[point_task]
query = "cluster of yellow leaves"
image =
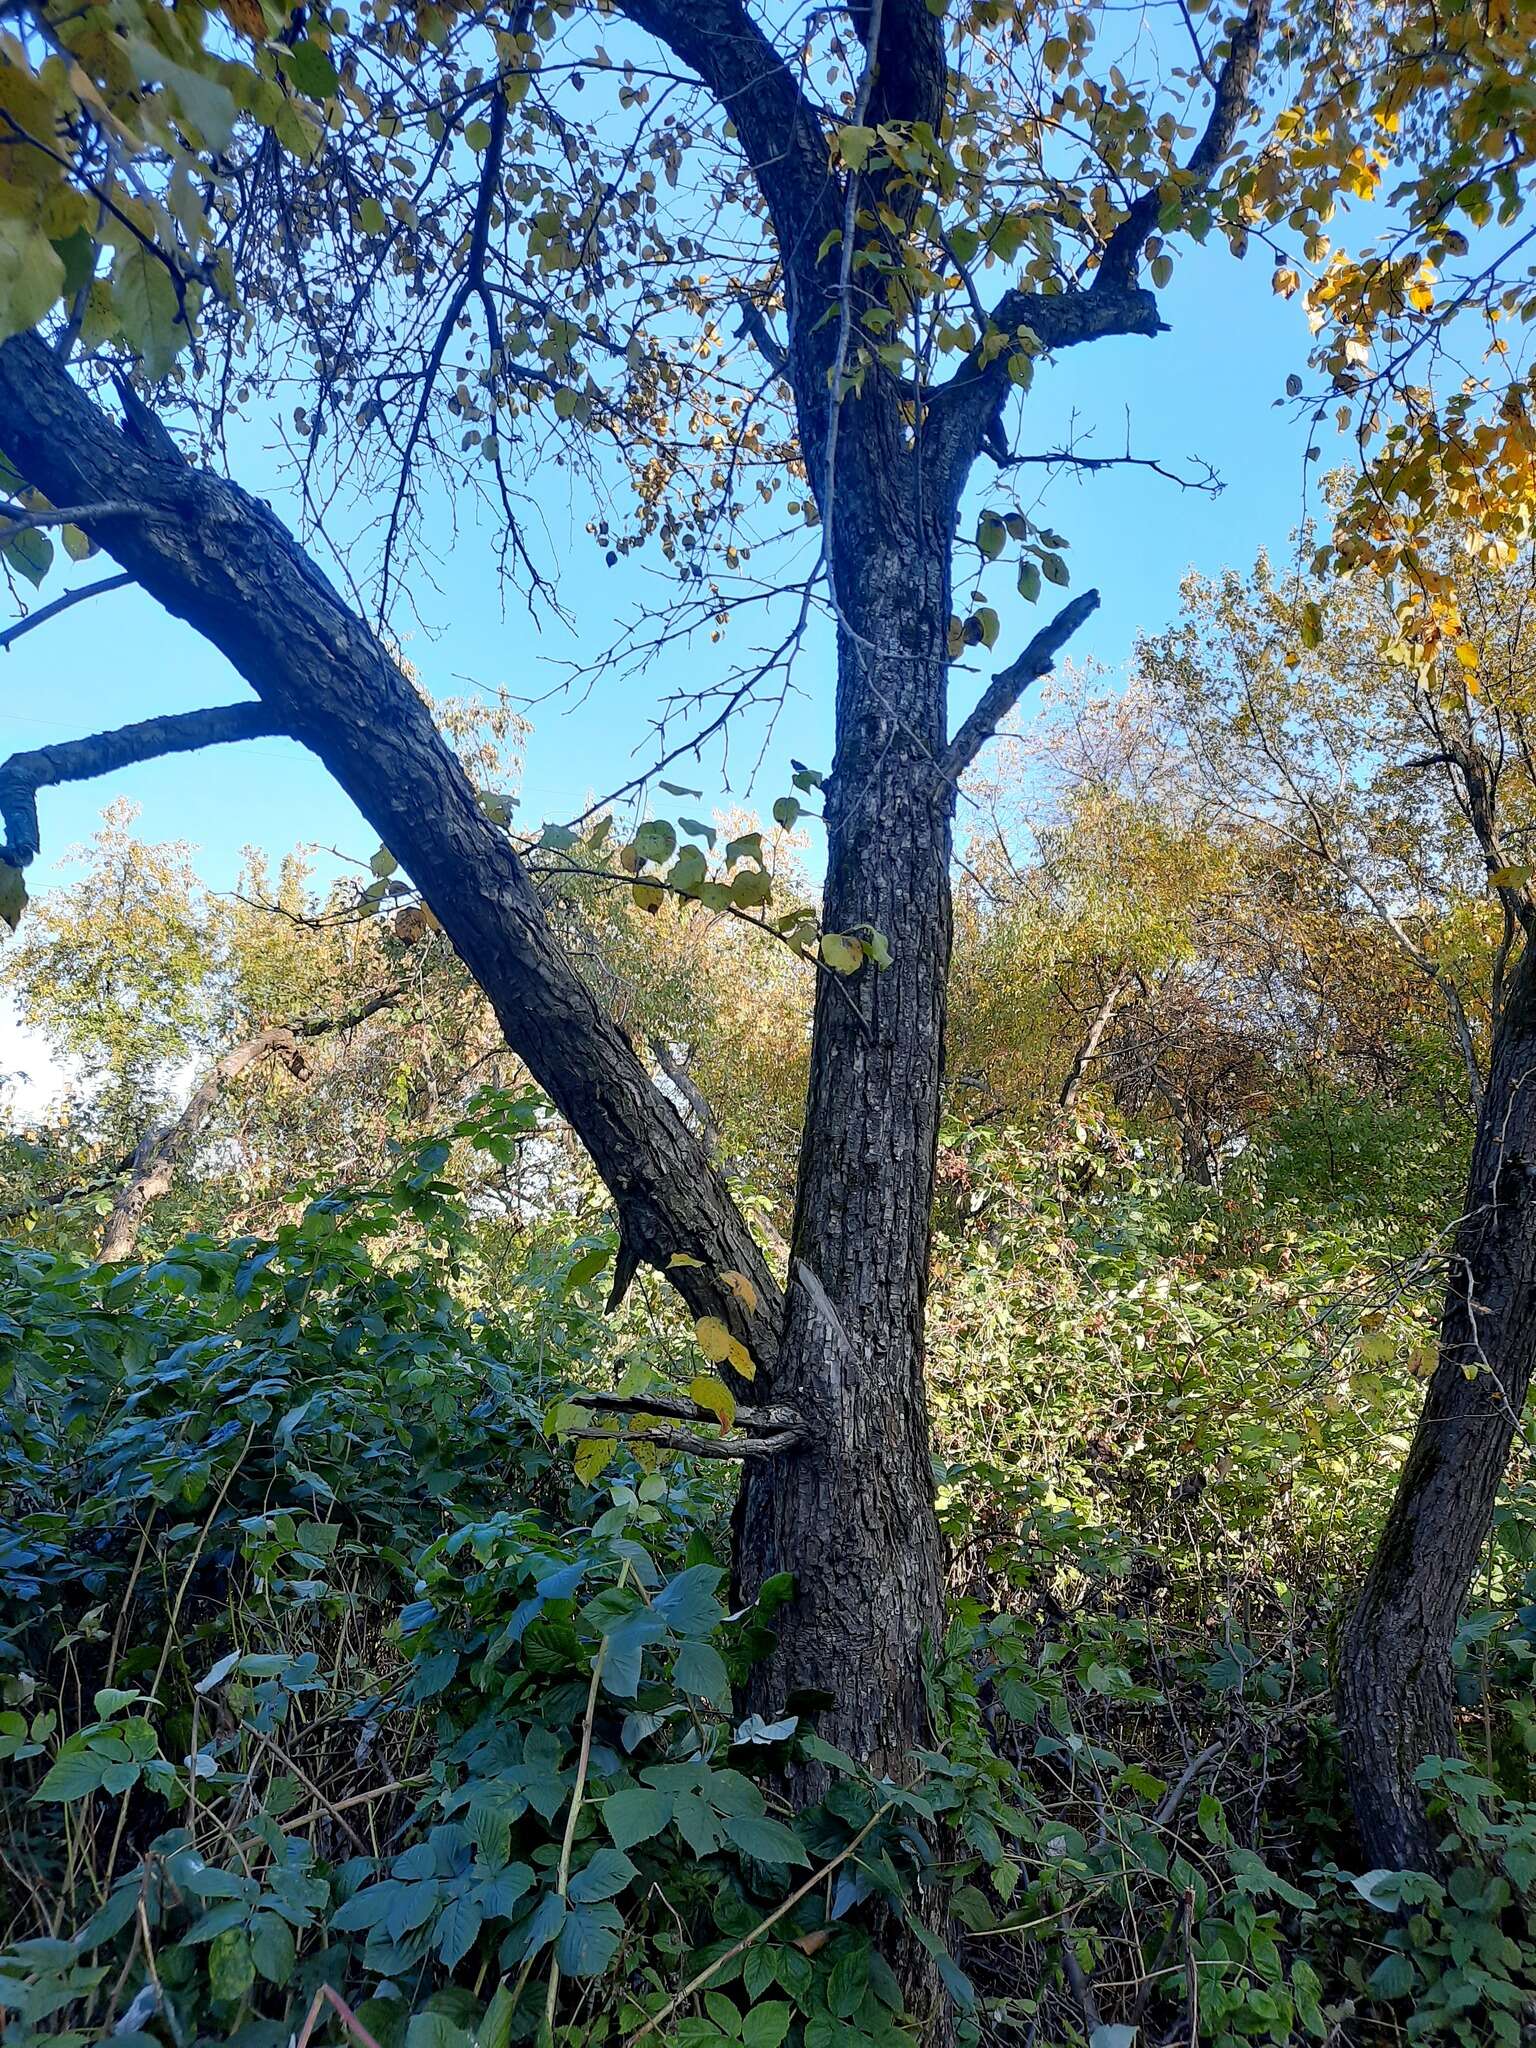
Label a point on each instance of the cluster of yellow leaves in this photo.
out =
(1431, 114)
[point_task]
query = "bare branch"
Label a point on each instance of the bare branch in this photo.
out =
(769, 1421)
(730, 1447)
(782, 139)
(1113, 303)
(1205, 477)
(1010, 683)
(1233, 89)
(15, 519)
(65, 603)
(103, 753)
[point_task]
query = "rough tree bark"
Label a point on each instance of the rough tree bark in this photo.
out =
(1395, 1691)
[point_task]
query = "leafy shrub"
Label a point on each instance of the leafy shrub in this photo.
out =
(321, 1669)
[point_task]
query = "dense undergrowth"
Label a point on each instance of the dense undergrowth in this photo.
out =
(340, 1701)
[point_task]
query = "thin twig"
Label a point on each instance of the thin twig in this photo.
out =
(60, 604)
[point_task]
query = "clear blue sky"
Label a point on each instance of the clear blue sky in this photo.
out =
(1205, 390)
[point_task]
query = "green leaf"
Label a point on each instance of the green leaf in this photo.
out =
(785, 810)
(231, 1969)
(687, 1603)
(77, 253)
(31, 276)
(30, 554)
(766, 2024)
(312, 71)
(272, 1947)
(603, 1878)
(203, 101)
(76, 1773)
(111, 1699)
(688, 870)
(636, 1815)
(457, 1927)
(435, 2030)
(700, 1670)
(1029, 581)
(1255, 1876)
(149, 309)
(655, 840)
(1393, 1977)
(547, 1921)
(495, 2029)
(751, 888)
(587, 1267)
(589, 1940)
(768, 1841)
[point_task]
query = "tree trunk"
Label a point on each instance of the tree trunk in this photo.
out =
(1395, 1696)
(851, 1514)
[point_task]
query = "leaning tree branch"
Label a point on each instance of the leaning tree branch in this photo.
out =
(786, 149)
(1086, 1053)
(1010, 683)
(220, 559)
(1230, 100)
(103, 753)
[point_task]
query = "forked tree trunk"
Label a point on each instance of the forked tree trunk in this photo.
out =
(851, 1513)
(1395, 1693)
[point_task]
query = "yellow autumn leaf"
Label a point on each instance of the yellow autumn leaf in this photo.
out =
(594, 1454)
(741, 1287)
(715, 1395)
(721, 1348)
